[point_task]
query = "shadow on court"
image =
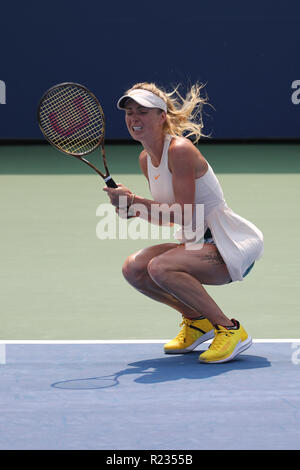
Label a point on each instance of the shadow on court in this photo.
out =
(166, 369)
(179, 367)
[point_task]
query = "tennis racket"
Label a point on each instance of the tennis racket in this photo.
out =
(72, 120)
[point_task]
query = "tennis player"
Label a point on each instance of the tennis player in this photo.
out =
(165, 124)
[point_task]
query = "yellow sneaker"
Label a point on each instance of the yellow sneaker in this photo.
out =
(192, 333)
(227, 344)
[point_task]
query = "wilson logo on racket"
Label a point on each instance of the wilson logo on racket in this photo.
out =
(73, 126)
(64, 110)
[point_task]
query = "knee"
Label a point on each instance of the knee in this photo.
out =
(133, 271)
(157, 270)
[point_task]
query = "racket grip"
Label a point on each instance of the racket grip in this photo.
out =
(110, 182)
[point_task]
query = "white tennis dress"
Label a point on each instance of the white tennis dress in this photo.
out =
(239, 242)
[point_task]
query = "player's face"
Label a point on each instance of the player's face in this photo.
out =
(143, 123)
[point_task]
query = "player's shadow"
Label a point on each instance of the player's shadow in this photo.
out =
(187, 367)
(167, 369)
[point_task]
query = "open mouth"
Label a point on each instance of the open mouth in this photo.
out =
(137, 128)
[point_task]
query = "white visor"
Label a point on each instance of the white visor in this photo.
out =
(144, 98)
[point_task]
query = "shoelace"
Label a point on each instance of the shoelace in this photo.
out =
(221, 337)
(183, 332)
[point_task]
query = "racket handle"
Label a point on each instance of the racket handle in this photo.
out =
(110, 182)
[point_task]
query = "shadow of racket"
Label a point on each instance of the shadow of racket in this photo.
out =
(90, 383)
(153, 371)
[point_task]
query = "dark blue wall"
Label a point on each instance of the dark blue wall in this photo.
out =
(246, 52)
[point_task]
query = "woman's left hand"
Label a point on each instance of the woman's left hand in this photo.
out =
(115, 193)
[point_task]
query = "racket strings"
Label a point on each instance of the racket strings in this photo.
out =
(72, 119)
(72, 129)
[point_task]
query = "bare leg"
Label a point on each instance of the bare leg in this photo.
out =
(135, 271)
(182, 272)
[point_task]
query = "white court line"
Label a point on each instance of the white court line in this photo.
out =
(3, 343)
(124, 341)
(82, 341)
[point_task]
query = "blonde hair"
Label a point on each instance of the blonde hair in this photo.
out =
(184, 116)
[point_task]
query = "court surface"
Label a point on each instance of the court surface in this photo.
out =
(132, 396)
(59, 282)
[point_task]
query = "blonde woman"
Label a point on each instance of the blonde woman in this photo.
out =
(179, 175)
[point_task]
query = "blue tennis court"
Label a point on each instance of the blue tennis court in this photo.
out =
(132, 396)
